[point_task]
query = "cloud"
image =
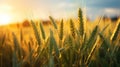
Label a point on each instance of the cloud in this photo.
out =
(111, 11)
(100, 7)
(66, 5)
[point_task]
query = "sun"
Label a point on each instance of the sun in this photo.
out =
(5, 14)
(5, 19)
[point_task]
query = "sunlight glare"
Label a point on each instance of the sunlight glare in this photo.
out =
(5, 19)
(5, 14)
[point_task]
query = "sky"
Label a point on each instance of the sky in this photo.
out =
(103, 7)
(41, 9)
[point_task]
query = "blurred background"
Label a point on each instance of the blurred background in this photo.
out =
(19, 10)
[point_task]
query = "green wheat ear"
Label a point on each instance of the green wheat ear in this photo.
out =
(81, 22)
(21, 35)
(36, 32)
(16, 45)
(53, 22)
(42, 30)
(72, 28)
(53, 43)
(17, 53)
(61, 30)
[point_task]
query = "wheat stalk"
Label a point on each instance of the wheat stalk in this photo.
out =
(51, 62)
(1, 59)
(14, 59)
(3, 40)
(30, 54)
(53, 43)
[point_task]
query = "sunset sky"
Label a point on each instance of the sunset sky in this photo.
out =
(18, 10)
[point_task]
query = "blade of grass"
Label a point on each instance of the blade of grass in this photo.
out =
(92, 38)
(116, 32)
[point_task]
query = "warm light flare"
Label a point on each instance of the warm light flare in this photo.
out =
(5, 19)
(5, 14)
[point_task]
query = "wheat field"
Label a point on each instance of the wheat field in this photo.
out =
(61, 43)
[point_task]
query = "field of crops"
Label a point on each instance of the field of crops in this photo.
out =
(65, 43)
